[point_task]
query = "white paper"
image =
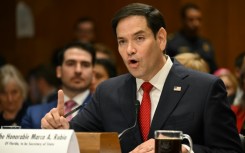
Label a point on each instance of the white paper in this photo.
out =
(38, 141)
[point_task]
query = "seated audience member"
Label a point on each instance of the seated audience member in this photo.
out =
(103, 70)
(239, 109)
(230, 82)
(13, 92)
(171, 96)
(75, 70)
(103, 52)
(84, 30)
(189, 39)
(193, 61)
(239, 62)
(42, 85)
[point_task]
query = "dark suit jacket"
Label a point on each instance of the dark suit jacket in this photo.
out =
(34, 114)
(179, 42)
(200, 109)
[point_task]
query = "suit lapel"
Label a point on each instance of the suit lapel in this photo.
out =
(86, 101)
(127, 97)
(173, 90)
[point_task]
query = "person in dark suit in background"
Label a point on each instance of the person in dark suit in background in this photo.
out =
(179, 99)
(188, 39)
(75, 70)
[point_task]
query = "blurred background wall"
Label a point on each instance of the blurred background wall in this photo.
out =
(223, 25)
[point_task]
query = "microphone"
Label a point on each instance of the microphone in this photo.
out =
(74, 110)
(137, 106)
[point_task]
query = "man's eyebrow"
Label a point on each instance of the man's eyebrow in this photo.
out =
(74, 60)
(136, 33)
(139, 32)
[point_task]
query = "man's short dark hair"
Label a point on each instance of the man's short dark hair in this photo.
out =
(153, 16)
(186, 7)
(77, 44)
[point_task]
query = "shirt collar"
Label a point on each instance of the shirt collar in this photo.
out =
(79, 99)
(159, 79)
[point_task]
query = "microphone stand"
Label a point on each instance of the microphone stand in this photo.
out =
(137, 105)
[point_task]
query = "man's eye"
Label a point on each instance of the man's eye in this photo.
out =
(69, 63)
(140, 38)
(86, 64)
(121, 42)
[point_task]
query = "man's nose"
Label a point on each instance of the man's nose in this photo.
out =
(131, 49)
(197, 22)
(78, 68)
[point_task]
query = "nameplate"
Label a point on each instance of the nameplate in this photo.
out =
(38, 141)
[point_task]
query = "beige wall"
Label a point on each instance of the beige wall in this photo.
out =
(223, 25)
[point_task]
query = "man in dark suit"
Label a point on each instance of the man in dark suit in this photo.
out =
(180, 98)
(188, 38)
(75, 70)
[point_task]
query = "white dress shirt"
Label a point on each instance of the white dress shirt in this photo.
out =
(158, 82)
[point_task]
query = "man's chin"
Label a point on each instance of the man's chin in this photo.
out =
(136, 74)
(77, 88)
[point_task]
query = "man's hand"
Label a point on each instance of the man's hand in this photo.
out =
(149, 147)
(54, 119)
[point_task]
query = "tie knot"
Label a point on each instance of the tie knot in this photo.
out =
(70, 104)
(146, 86)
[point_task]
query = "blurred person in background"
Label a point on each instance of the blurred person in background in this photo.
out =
(193, 61)
(239, 109)
(13, 92)
(239, 62)
(230, 82)
(75, 70)
(188, 38)
(103, 70)
(42, 84)
(104, 52)
(84, 30)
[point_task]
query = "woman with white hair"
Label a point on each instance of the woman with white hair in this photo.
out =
(13, 92)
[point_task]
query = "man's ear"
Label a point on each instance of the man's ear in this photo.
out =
(162, 38)
(58, 72)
